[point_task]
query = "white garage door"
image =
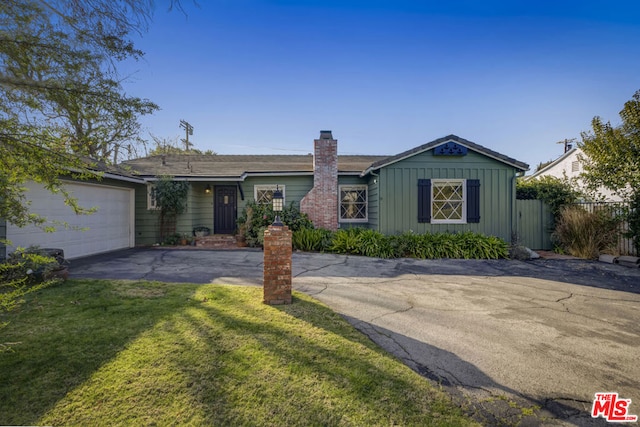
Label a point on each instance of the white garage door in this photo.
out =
(109, 228)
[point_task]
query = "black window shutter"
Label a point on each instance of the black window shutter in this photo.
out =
(473, 200)
(424, 200)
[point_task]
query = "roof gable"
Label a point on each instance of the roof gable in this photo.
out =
(556, 162)
(440, 141)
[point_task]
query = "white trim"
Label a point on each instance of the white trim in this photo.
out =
(463, 220)
(272, 187)
(122, 178)
(433, 144)
(151, 203)
(352, 187)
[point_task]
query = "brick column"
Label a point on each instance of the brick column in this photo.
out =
(277, 265)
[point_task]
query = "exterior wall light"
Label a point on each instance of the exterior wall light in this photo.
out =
(207, 189)
(278, 203)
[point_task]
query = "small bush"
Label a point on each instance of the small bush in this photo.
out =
(172, 239)
(24, 271)
(312, 240)
(346, 241)
(255, 218)
(584, 234)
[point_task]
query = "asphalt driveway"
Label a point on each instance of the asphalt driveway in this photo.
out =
(526, 343)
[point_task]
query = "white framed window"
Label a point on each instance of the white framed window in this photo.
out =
(151, 197)
(263, 194)
(448, 201)
(353, 203)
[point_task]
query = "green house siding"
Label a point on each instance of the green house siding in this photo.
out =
(374, 202)
(398, 193)
(200, 208)
(147, 221)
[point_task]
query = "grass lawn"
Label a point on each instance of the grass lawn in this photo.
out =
(92, 353)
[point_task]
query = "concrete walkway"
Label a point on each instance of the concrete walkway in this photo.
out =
(525, 343)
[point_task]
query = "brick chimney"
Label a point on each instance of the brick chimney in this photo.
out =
(321, 202)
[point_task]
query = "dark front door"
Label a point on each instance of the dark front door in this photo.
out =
(224, 210)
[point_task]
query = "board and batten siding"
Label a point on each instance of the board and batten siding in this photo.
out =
(398, 193)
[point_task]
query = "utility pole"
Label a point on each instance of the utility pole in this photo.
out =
(188, 131)
(568, 143)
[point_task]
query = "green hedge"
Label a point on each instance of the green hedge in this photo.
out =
(359, 241)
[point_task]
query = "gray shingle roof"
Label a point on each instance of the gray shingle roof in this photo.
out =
(238, 166)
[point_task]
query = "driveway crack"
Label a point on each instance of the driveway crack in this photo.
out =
(565, 298)
(309, 270)
(403, 310)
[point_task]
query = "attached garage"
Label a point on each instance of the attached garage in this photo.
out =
(110, 228)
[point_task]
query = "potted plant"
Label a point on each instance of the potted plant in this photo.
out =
(241, 237)
(184, 239)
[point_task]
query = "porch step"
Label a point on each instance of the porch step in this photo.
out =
(217, 241)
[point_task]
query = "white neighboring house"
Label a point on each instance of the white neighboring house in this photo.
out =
(570, 165)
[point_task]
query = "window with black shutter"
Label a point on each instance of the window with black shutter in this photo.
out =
(448, 201)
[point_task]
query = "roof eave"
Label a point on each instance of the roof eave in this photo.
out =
(521, 166)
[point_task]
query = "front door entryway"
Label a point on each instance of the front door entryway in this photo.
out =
(224, 209)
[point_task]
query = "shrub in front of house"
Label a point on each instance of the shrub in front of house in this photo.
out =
(312, 239)
(585, 234)
(360, 241)
(255, 218)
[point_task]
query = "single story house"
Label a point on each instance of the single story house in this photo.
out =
(446, 185)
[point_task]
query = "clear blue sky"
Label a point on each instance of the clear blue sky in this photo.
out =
(266, 76)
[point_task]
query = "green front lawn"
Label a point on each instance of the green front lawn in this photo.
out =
(90, 352)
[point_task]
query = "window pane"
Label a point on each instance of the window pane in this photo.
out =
(448, 200)
(264, 196)
(353, 203)
(264, 193)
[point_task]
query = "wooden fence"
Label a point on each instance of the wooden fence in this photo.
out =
(625, 245)
(534, 224)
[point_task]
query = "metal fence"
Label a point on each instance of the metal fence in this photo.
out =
(615, 210)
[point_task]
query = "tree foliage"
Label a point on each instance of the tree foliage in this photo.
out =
(61, 100)
(553, 191)
(173, 146)
(613, 152)
(171, 199)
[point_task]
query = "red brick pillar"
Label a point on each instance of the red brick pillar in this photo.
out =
(277, 265)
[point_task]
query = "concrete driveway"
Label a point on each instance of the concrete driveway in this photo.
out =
(515, 342)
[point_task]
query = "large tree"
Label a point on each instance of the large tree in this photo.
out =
(61, 99)
(613, 152)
